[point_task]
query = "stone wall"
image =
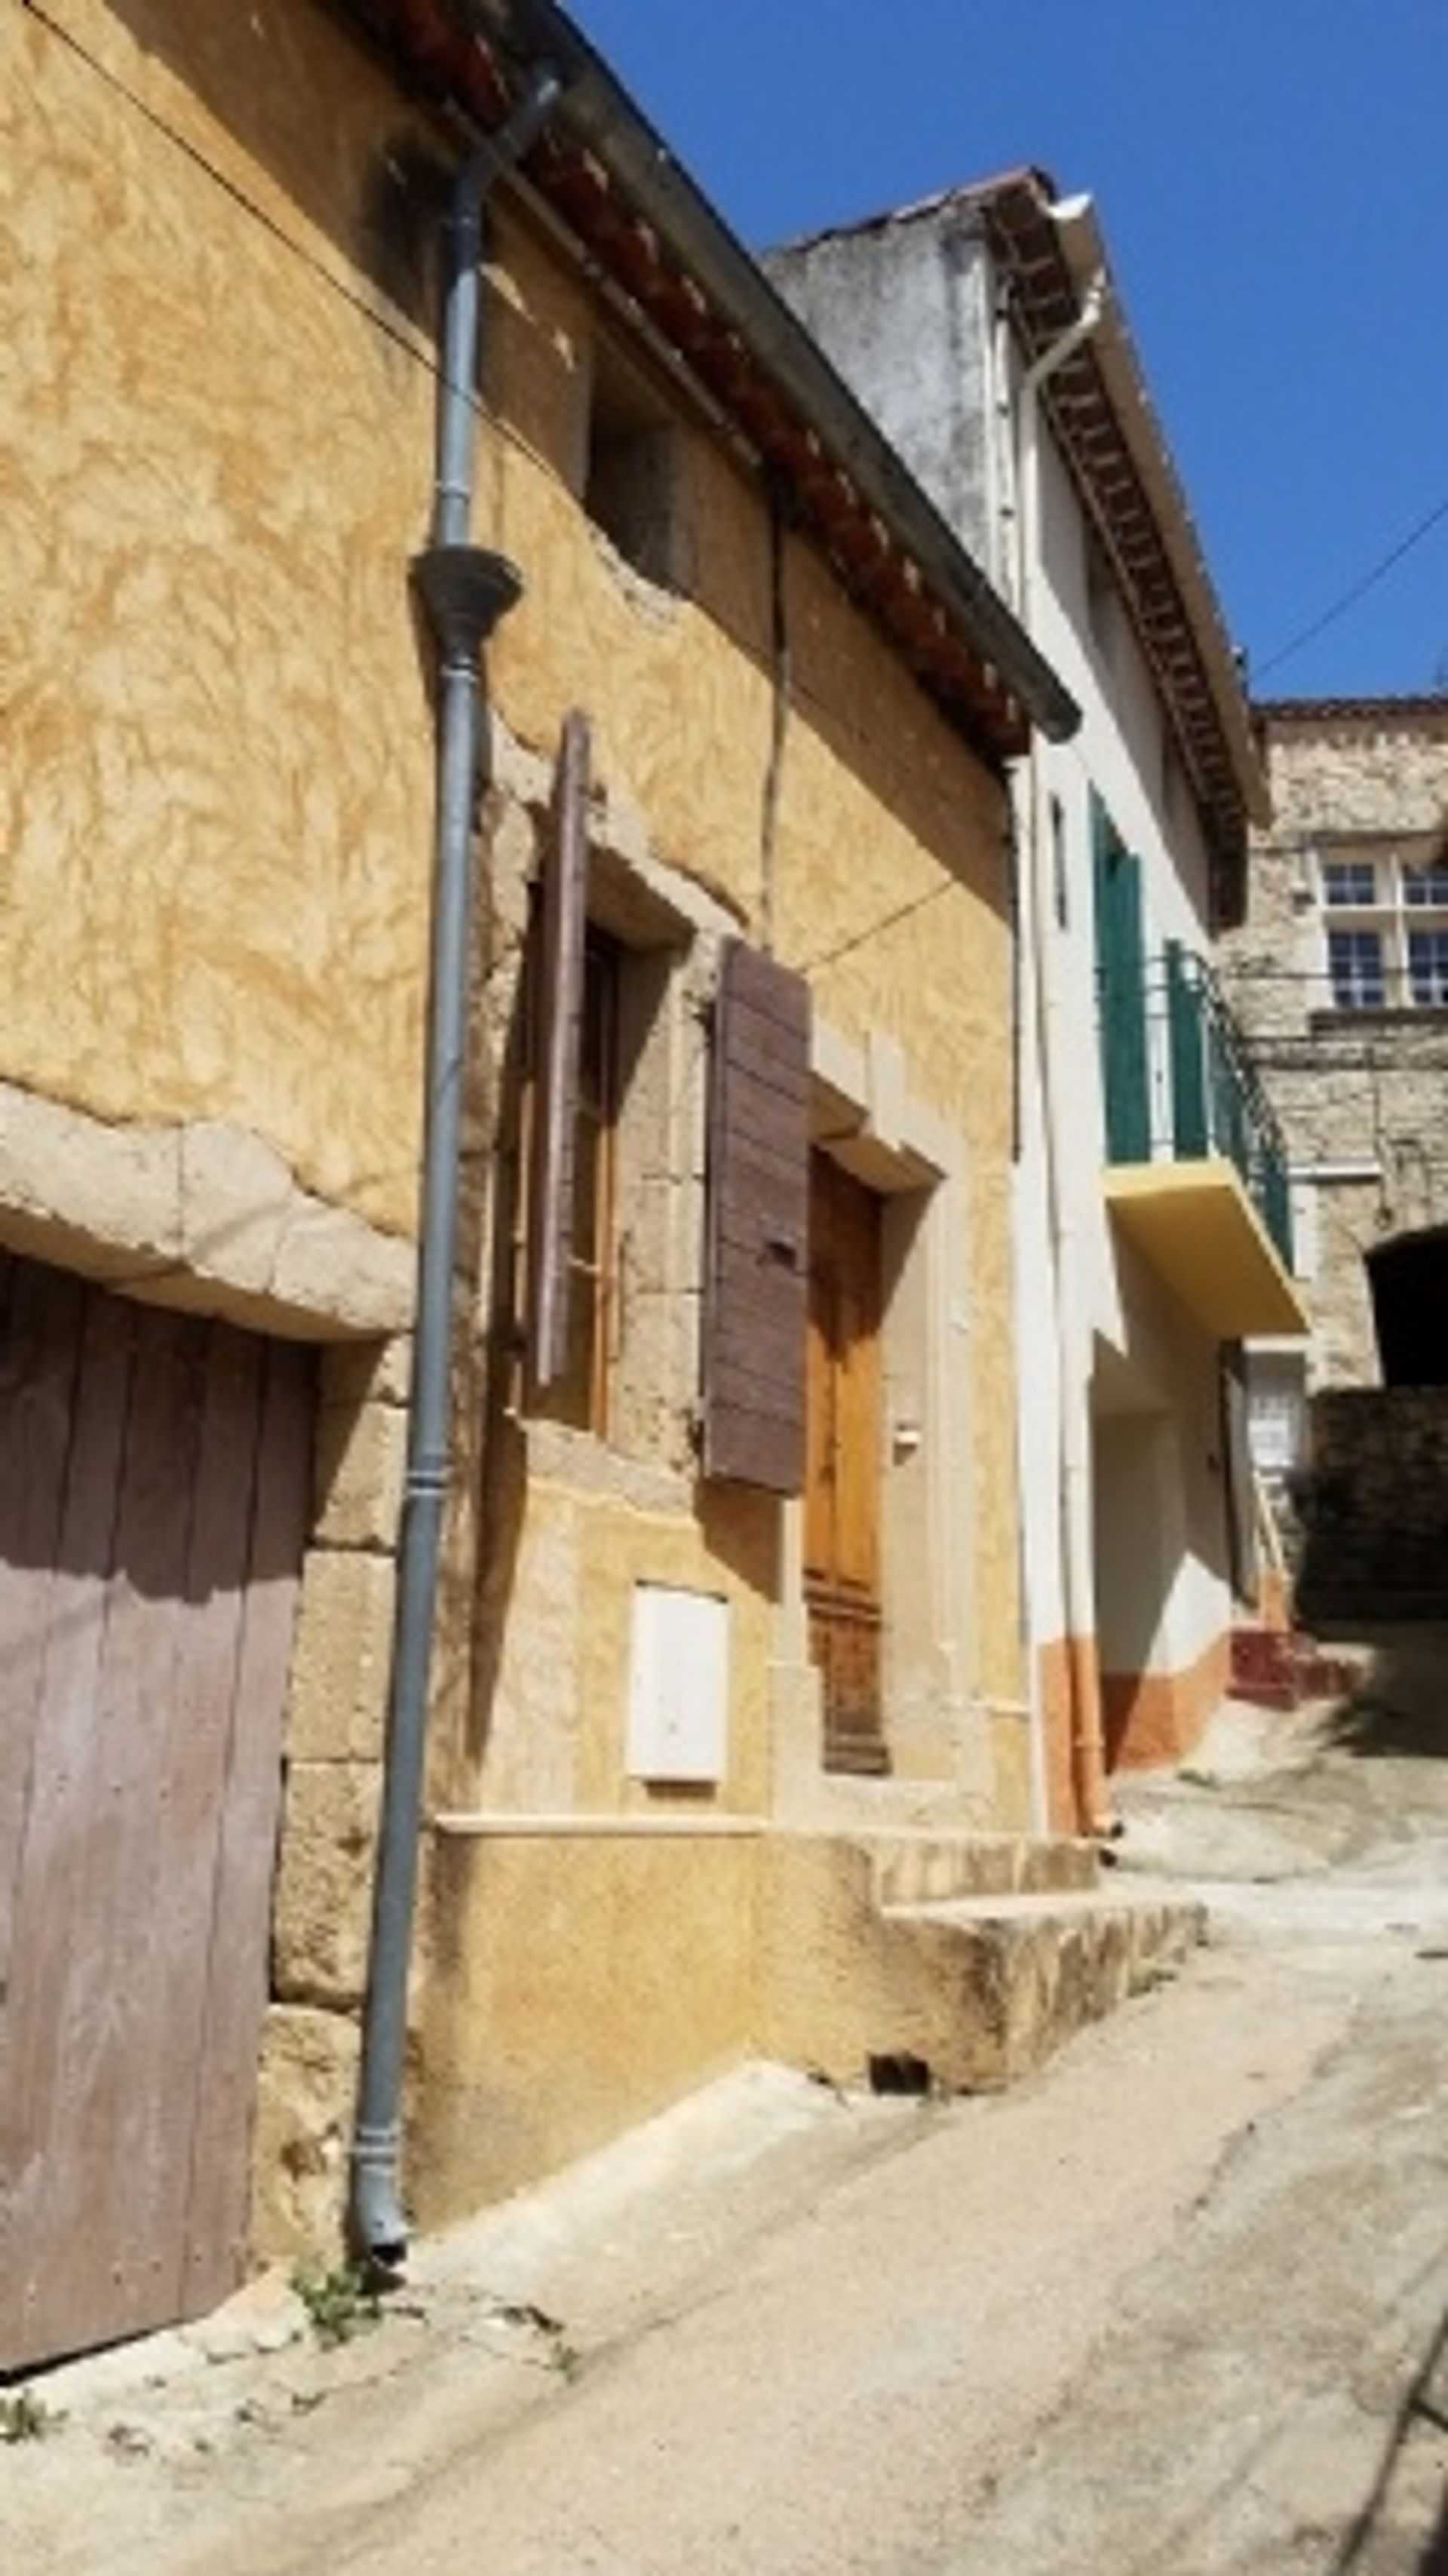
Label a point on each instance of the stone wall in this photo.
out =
(1361, 1096)
(1375, 1510)
(884, 871)
(216, 458)
(336, 1711)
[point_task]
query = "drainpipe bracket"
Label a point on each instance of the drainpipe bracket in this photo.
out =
(465, 592)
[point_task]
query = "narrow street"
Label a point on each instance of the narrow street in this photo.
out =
(1177, 2304)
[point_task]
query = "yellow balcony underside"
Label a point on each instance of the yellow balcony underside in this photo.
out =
(1196, 1226)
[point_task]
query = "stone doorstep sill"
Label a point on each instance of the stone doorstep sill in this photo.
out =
(1135, 1898)
(476, 1824)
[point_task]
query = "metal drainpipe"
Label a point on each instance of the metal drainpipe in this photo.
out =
(1088, 1754)
(464, 591)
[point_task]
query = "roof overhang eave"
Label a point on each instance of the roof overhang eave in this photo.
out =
(1084, 250)
(601, 120)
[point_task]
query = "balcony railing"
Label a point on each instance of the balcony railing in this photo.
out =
(1180, 1086)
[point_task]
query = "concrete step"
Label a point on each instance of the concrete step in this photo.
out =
(988, 1987)
(1280, 1668)
(922, 1865)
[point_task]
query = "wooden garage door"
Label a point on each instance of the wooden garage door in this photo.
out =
(154, 1482)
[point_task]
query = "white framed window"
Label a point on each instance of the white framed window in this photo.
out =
(1385, 920)
(1277, 1408)
(1428, 967)
(1426, 886)
(1349, 883)
(1355, 964)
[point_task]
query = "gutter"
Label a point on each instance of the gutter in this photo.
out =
(1084, 251)
(602, 119)
(464, 591)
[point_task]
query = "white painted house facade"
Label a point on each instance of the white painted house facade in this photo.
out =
(1152, 1232)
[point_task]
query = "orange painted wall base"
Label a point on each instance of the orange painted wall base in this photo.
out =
(1154, 1719)
(1055, 1665)
(1149, 1719)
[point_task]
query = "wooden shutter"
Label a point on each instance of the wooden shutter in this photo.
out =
(557, 1029)
(1121, 970)
(757, 1284)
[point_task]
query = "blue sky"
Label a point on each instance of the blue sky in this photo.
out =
(1270, 176)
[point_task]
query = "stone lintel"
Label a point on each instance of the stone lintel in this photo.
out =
(203, 1216)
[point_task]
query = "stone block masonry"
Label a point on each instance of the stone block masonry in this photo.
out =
(1376, 1510)
(336, 1716)
(1359, 1093)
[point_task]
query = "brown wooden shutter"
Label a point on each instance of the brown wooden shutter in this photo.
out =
(558, 1022)
(758, 1255)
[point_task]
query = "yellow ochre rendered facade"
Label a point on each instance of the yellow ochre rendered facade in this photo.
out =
(216, 455)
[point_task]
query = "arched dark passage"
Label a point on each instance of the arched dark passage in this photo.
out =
(1409, 1282)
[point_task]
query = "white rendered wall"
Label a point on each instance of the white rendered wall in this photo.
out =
(905, 308)
(1123, 751)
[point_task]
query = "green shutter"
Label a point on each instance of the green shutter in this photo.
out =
(1121, 976)
(1190, 1134)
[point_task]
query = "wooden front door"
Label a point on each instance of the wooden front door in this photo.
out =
(842, 1492)
(154, 1490)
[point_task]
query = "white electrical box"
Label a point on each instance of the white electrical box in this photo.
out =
(678, 1707)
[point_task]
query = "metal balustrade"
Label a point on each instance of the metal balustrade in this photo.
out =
(1180, 1086)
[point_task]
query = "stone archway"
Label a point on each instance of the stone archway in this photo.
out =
(1408, 1280)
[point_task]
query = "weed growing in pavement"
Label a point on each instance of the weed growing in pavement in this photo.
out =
(339, 2304)
(558, 2353)
(26, 2417)
(1150, 1980)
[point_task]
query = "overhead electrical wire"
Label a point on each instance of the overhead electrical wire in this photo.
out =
(1359, 590)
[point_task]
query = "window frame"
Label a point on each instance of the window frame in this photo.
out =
(579, 1391)
(608, 1140)
(1338, 896)
(1378, 894)
(1356, 966)
(635, 487)
(1427, 947)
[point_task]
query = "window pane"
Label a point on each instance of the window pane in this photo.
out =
(1428, 967)
(1274, 1421)
(576, 1397)
(1355, 963)
(1426, 886)
(579, 1393)
(1349, 883)
(590, 1137)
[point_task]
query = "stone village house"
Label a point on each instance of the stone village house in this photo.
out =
(1340, 980)
(985, 332)
(724, 1656)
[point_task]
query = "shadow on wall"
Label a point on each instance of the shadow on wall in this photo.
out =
(1408, 1278)
(309, 100)
(1374, 1509)
(297, 91)
(1401, 1704)
(162, 1452)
